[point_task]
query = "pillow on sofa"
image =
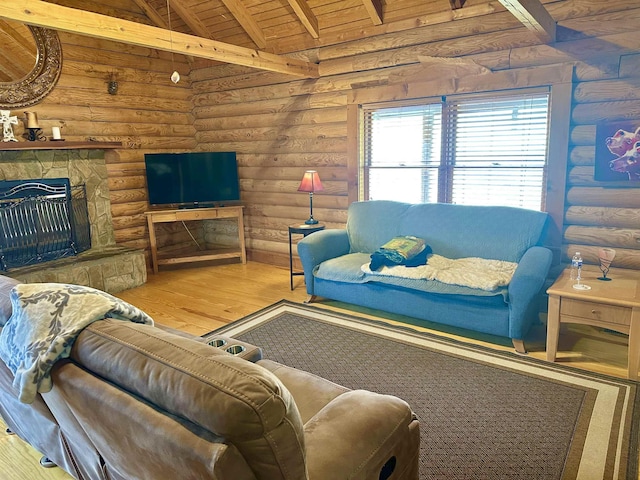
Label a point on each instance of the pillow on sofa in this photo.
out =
(6, 284)
(408, 250)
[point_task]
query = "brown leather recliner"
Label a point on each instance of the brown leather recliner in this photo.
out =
(136, 402)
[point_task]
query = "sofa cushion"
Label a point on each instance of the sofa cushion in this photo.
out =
(491, 232)
(6, 284)
(453, 231)
(237, 400)
(372, 224)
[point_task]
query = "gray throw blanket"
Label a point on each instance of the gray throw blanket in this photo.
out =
(46, 319)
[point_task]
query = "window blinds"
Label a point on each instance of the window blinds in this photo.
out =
(402, 152)
(477, 150)
(495, 150)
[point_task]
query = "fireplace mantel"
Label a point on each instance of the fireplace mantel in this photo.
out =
(60, 145)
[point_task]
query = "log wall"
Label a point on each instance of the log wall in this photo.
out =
(280, 128)
(148, 114)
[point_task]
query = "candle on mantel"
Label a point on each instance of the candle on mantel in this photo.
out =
(55, 131)
(32, 120)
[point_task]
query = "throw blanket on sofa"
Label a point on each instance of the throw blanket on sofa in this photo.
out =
(470, 272)
(46, 319)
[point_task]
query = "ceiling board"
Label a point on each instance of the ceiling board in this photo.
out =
(131, 12)
(101, 26)
(18, 53)
(160, 6)
(374, 9)
(248, 23)
(534, 16)
(306, 16)
(281, 29)
(151, 13)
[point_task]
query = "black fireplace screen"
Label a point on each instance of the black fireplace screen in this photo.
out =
(42, 220)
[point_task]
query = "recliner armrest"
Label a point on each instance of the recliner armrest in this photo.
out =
(360, 432)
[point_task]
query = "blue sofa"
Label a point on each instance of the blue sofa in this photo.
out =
(333, 259)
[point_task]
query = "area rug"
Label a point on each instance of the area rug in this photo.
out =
(483, 414)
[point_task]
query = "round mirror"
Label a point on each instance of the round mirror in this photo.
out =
(30, 67)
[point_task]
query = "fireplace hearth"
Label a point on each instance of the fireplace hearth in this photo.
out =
(42, 220)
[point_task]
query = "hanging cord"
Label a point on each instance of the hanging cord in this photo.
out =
(175, 76)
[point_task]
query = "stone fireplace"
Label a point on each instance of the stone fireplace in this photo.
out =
(105, 265)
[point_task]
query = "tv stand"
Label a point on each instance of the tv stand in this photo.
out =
(184, 215)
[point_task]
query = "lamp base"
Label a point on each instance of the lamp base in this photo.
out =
(311, 221)
(604, 279)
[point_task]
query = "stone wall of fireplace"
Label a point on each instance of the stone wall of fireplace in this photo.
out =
(106, 265)
(79, 166)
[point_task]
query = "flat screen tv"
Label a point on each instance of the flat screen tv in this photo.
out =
(192, 179)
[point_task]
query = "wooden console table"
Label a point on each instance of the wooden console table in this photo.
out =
(190, 214)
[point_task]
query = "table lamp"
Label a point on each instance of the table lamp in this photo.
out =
(310, 183)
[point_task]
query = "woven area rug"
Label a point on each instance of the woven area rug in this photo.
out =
(483, 414)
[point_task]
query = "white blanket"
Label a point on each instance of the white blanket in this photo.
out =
(46, 319)
(470, 272)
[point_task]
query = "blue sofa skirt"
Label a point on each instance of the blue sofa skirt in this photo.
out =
(489, 314)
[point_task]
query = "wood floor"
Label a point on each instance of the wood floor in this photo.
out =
(202, 298)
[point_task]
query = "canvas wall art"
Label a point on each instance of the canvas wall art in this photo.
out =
(618, 152)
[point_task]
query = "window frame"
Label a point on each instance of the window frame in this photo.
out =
(445, 167)
(559, 79)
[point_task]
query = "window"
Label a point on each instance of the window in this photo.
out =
(473, 150)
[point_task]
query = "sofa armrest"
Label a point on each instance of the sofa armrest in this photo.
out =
(360, 432)
(318, 247)
(526, 283)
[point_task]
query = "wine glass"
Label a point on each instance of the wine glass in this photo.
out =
(606, 256)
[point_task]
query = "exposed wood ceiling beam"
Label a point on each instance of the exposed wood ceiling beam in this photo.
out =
(151, 13)
(49, 15)
(184, 13)
(374, 9)
(306, 16)
(157, 19)
(534, 16)
(192, 21)
(246, 21)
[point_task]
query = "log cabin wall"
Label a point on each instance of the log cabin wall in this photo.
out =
(603, 213)
(148, 113)
(281, 127)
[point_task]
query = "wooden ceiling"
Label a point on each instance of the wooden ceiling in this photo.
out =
(18, 52)
(256, 32)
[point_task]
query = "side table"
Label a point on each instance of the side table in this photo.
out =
(304, 230)
(614, 305)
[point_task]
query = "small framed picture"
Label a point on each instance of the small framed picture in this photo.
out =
(618, 152)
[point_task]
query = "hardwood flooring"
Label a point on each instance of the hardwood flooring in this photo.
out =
(199, 299)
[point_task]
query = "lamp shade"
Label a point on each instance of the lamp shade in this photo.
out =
(310, 182)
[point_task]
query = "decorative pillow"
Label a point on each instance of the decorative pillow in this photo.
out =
(6, 284)
(408, 250)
